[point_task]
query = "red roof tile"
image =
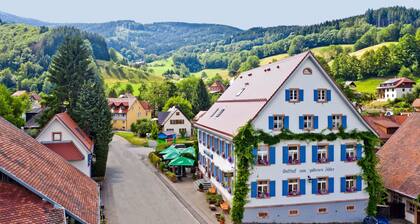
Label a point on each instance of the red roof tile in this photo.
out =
(416, 103)
(381, 123)
(75, 129)
(65, 149)
(399, 158)
(18, 205)
(146, 105)
(47, 174)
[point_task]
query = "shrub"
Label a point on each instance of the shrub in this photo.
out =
(214, 199)
(171, 176)
(162, 166)
(154, 159)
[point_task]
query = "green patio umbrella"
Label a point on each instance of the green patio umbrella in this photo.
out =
(190, 150)
(168, 150)
(182, 161)
(172, 155)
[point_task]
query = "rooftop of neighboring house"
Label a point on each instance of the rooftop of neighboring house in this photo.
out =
(48, 175)
(163, 116)
(396, 83)
(75, 129)
(67, 150)
(32, 95)
(217, 87)
(416, 104)
(199, 115)
(146, 105)
(19, 205)
(385, 126)
(399, 158)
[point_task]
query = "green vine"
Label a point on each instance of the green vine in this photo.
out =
(248, 138)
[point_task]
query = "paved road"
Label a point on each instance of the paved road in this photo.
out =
(132, 193)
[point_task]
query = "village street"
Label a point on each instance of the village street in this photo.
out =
(132, 193)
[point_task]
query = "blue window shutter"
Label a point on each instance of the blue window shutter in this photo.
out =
(344, 121)
(211, 142)
(314, 186)
(343, 184)
(359, 151)
(286, 122)
(314, 153)
(331, 185)
(315, 95)
(301, 95)
(302, 186)
(285, 187)
(214, 172)
(226, 150)
(303, 154)
(285, 155)
(272, 188)
(253, 189)
(300, 122)
(254, 152)
(328, 95)
(221, 176)
(272, 155)
(270, 122)
(287, 95)
(359, 183)
(330, 122)
(315, 122)
(343, 152)
(330, 153)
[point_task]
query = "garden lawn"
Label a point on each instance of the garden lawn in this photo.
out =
(132, 138)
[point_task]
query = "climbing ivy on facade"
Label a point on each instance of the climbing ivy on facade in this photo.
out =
(248, 138)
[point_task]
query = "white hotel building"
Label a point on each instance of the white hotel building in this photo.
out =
(292, 181)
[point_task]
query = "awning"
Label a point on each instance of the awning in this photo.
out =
(190, 150)
(171, 155)
(182, 161)
(168, 150)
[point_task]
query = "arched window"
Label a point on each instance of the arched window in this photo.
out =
(307, 71)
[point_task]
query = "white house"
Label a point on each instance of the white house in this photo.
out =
(175, 120)
(392, 89)
(292, 181)
(63, 136)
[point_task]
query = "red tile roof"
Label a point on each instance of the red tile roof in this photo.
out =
(146, 105)
(65, 149)
(18, 205)
(381, 123)
(399, 158)
(416, 103)
(75, 129)
(47, 174)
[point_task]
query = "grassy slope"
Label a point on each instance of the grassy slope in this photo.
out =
(129, 136)
(360, 52)
(369, 85)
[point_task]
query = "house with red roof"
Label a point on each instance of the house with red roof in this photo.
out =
(126, 110)
(385, 126)
(292, 181)
(399, 166)
(38, 186)
(63, 136)
(217, 87)
(395, 88)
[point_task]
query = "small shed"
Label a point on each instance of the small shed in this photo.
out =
(167, 135)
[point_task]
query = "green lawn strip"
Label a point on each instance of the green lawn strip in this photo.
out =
(132, 138)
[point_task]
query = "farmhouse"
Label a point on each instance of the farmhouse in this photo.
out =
(217, 87)
(126, 110)
(399, 165)
(395, 88)
(174, 120)
(63, 136)
(294, 181)
(38, 186)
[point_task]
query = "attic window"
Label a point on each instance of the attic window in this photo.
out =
(307, 71)
(240, 92)
(214, 112)
(220, 112)
(278, 66)
(250, 74)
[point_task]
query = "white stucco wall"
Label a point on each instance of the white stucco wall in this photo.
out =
(66, 135)
(176, 127)
(394, 93)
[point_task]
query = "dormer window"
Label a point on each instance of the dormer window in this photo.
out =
(307, 71)
(56, 136)
(220, 112)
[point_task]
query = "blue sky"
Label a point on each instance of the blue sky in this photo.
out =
(243, 14)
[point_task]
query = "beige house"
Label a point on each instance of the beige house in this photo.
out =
(126, 110)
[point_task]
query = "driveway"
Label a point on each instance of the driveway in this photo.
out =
(132, 193)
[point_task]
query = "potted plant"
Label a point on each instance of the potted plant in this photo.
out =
(222, 219)
(200, 187)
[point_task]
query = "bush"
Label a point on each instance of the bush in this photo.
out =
(142, 127)
(171, 176)
(162, 166)
(214, 199)
(162, 146)
(154, 159)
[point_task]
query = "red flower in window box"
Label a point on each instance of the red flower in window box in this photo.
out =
(263, 195)
(293, 193)
(351, 158)
(230, 159)
(323, 191)
(351, 189)
(322, 160)
(294, 161)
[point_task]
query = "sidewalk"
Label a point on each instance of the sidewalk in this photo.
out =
(192, 199)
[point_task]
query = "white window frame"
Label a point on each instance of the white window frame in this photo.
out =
(308, 122)
(55, 134)
(350, 184)
(322, 95)
(262, 155)
(293, 156)
(337, 121)
(278, 122)
(294, 95)
(351, 152)
(293, 187)
(322, 154)
(263, 189)
(322, 184)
